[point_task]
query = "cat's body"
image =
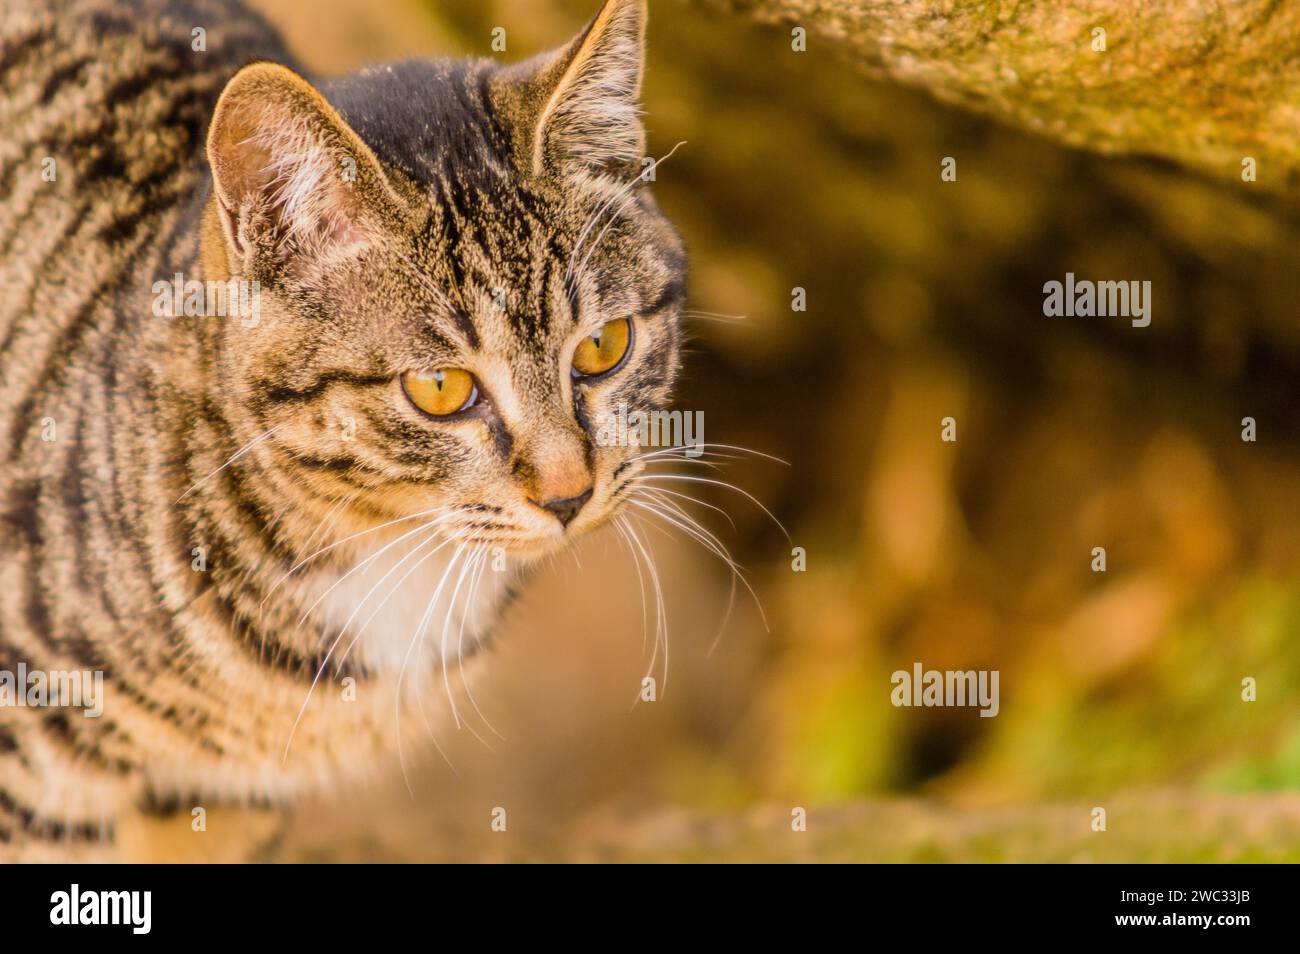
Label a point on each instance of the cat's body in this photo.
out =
(185, 500)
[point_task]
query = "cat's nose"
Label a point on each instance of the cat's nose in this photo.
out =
(566, 508)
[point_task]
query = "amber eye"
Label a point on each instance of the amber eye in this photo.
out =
(441, 392)
(603, 350)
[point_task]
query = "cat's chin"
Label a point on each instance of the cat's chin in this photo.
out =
(553, 544)
(530, 551)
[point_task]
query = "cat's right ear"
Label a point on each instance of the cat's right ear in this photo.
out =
(291, 178)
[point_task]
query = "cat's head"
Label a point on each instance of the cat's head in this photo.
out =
(462, 276)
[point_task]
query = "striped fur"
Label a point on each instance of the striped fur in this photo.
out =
(183, 498)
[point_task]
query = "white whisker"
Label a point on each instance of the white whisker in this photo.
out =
(713, 316)
(415, 638)
(640, 578)
(691, 478)
(710, 541)
(233, 457)
(661, 615)
(372, 558)
(705, 445)
(622, 191)
(338, 543)
(657, 491)
(378, 583)
(482, 555)
(446, 627)
(334, 645)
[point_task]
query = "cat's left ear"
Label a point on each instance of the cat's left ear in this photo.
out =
(579, 107)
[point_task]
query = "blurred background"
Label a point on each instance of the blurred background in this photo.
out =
(1119, 689)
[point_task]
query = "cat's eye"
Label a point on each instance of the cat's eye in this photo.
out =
(441, 392)
(603, 351)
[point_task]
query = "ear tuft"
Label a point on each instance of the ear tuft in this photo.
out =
(593, 113)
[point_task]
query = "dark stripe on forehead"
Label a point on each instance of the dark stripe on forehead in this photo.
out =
(431, 251)
(451, 234)
(529, 320)
(467, 328)
(467, 85)
(497, 131)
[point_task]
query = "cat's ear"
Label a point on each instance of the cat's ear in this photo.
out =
(581, 103)
(291, 177)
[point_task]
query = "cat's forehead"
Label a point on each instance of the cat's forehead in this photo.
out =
(491, 236)
(504, 254)
(424, 117)
(434, 124)
(502, 251)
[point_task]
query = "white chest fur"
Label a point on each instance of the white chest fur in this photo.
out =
(408, 609)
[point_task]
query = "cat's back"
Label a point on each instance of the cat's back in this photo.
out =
(103, 108)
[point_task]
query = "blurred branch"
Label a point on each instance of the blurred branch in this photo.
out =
(1169, 826)
(1200, 82)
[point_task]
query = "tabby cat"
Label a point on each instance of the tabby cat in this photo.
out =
(279, 523)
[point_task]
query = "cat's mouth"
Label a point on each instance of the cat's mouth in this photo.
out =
(516, 542)
(540, 535)
(533, 546)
